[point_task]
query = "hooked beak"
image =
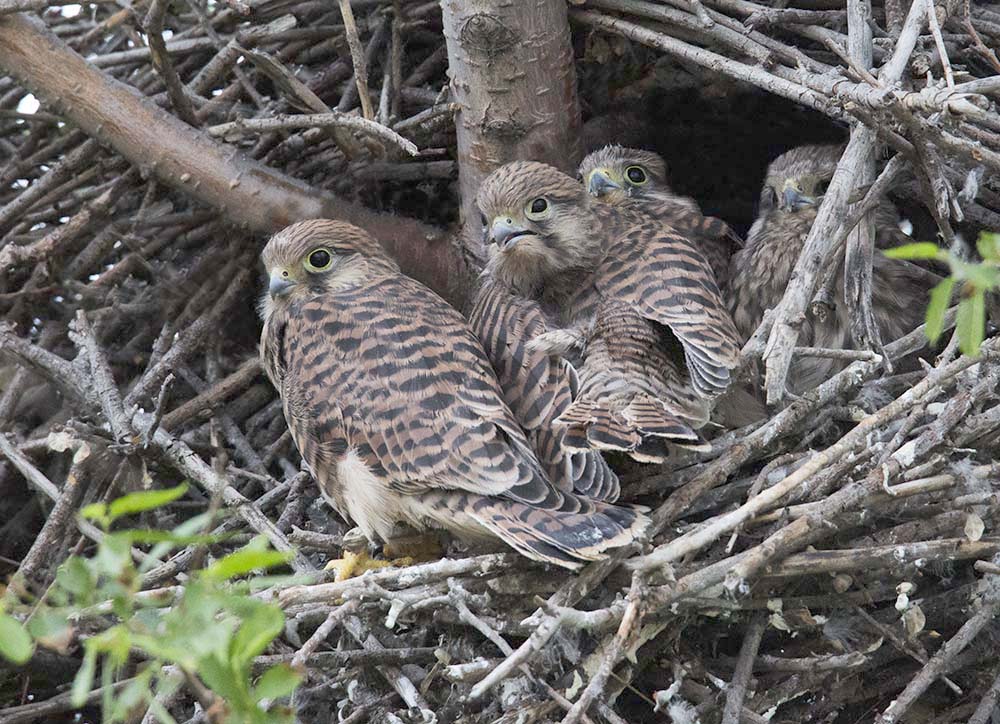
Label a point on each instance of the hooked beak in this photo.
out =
(505, 233)
(600, 183)
(792, 199)
(279, 284)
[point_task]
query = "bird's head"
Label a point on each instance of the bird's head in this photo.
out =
(615, 174)
(317, 256)
(797, 180)
(536, 216)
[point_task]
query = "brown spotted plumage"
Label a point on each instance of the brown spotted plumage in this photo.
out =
(637, 179)
(395, 408)
(633, 303)
(793, 190)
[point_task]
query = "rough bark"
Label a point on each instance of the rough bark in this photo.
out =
(512, 72)
(248, 193)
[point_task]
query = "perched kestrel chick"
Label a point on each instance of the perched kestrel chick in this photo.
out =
(636, 300)
(395, 408)
(634, 178)
(793, 190)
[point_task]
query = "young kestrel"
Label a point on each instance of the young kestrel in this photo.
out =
(395, 408)
(793, 190)
(636, 300)
(637, 179)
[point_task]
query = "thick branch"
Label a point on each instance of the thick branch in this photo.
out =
(250, 194)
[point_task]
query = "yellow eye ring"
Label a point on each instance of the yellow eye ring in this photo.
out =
(636, 175)
(538, 208)
(318, 260)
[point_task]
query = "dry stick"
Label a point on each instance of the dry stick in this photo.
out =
(790, 311)
(932, 22)
(322, 632)
(66, 169)
(627, 629)
(392, 577)
(333, 119)
(721, 524)
(214, 396)
(40, 482)
(551, 618)
(357, 57)
(941, 659)
(102, 379)
(706, 58)
(15, 255)
(153, 25)
(727, 37)
(56, 522)
(457, 595)
(188, 462)
(194, 337)
(737, 689)
(399, 681)
(247, 192)
(988, 704)
(859, 256)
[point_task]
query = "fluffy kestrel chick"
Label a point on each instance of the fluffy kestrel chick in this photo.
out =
(395, 408)
(793, 190)
(637, 300)
(634, 178)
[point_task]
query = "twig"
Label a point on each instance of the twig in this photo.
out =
(320, 634)
(737, 689)
(333, 119)
(153, 24)
(357, 57)
(941, 660)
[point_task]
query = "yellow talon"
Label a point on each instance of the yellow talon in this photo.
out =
(354, 564)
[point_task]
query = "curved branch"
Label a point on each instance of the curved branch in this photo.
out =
(248, 193)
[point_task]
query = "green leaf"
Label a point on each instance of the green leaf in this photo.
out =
(278, 681)
(940, 299)
(971, 323)
(51, 629)
(84, 680)
(254, 556)
(75, 577)
(988, 245)
(98, 512)
(982, 276)
(257, 631)
(15, 643)
(917, 250)
(145, 500)
(135, 692)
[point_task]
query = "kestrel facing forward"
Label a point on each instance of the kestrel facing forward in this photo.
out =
(395, 408)
(637, 179)
(793, 190)
(636, 300)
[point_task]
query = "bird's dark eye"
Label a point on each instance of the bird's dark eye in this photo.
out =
(537, 208)
(822, 186)
(318, 260)
(636, 174)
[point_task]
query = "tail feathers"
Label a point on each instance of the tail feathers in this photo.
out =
(644, 429)
(584, 472)
(593, 477)
(565, 539)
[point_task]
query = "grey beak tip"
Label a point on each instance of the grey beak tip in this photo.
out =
(278, 287)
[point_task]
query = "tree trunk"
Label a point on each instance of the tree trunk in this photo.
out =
(512, 72)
